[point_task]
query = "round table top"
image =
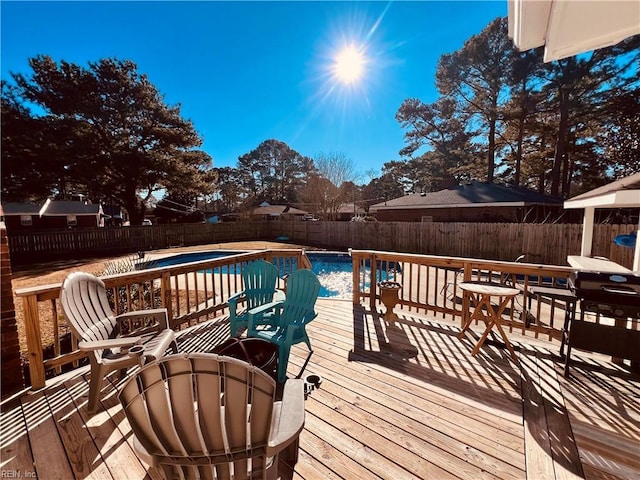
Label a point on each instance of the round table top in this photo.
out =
(489, 288)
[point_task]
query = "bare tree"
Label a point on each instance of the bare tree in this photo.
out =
(321, 195)
(336, 167)
(340, 173)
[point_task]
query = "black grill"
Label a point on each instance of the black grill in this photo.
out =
(614, 295)
(611, 294)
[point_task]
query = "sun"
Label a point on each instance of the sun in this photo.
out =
(349, 64)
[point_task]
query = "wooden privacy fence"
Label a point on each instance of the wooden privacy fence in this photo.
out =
(31, 247)
(540, 243)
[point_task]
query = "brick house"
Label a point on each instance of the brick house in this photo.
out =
(471, 202)
(349, 210)
(53, 214)
(21, 215)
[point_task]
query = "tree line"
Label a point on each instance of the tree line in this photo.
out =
(501, 116)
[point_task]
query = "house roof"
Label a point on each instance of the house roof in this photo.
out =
(276, 210)
(67, 207)
(350, 208)
(20, 208)
(474, 194)
(623, 193)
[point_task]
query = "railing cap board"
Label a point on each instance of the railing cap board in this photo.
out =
(437, 260)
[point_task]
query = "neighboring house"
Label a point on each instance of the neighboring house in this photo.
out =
(472, 202)
(21, 215)
(349, 210)
(277, 212)
(71, 214)
(53, 214)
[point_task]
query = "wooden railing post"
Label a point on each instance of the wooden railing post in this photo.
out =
(304, 260)
(466, 302)
(34, 341)
(372, 281)
(165, 295)
(355, 262)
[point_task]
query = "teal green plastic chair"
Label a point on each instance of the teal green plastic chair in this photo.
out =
(288, 319)
(259, 280)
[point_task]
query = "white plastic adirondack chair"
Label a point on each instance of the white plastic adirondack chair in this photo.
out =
(85, 304)
(206, 416)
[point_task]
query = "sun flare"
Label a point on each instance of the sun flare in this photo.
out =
(349, 65)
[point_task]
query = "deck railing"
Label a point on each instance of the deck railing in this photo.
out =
(198, 291)
(191, 292)
(430, 285)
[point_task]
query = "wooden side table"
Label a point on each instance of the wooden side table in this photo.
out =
(480, 294)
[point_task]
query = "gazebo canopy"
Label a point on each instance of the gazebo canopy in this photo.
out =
(623, 193)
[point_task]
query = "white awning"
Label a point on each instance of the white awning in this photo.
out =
(570, 27)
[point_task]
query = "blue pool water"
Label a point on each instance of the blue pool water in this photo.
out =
(334, 270)
(192, 257)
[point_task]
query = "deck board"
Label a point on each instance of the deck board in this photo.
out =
(121, 460)
(444, 428)
(539, 454)
(83, 454)
(15, 452)
(48, 451)
(400, 401)
(400, 389)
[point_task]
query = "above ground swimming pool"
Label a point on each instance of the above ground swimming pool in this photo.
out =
(334, 269)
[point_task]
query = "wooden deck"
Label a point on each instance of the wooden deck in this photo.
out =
(397, 402)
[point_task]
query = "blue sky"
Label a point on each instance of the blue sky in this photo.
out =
(245, 72)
